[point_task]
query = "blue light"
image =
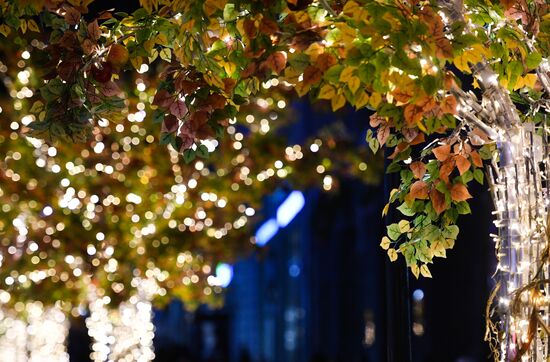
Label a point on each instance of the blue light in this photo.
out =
(294, 270)
(288, 210)
(418, 295)
(266, 232)
(224, 274)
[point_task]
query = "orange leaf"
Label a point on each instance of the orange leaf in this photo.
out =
(442, 152)
(459, 192)
(462, 164)
(418, 169)
(438, 201)
(325, 61)
(276, 61)
(449, 105)
(476, 159)
(419, 190)
(446, 168)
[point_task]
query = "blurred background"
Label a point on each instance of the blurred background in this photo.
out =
(317, 287)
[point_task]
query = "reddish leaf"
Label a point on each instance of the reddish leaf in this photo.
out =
(442, 153)
(185, 86)
(249, 28)
(72, 16)
(418, 169)
(409, 133)
(163, 99)
(110, 89)
(459, 192)
(229, 85)
(462, 164)
(170, 124)
(312, 75)
(375, 120)
(398, 149)
(420, 138)
(438, 201)
(277, 62)
(217, 101)
(93, 30)
(418, 190)
(383, 133)
(178, 108)
(268, 26)
(249, 70)
(325, 61)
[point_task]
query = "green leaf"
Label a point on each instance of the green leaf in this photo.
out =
(463, 208)
(188, 155)
(406, 210)
(374, 145)
(202, 151)
(166, 138)
(393, 231)
(229, 13)
(429, 83)
(158, 116)
(533, 60)
(450, 232)
(478, 175)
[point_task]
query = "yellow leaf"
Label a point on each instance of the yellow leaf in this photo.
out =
(327, 92)
(346, 74)
(347, 33)
(148, 5)
(448, 243)
(153, 55)
(338, 102)
(136, 62)
(166, 55)
(302, 88)
(5, 30)
(214, 80)
(33, 26)
(404, 226)
(438, 249)
(161, 39)
(385, 243)
(385, 209)
(210, 6)
(291, 75)
(314, 50)
(415, 270)
(354, 83)
(361, 100)
(23, 26)
(393, 192)
(392, 254)
(425, 271)
(375, 99)
(529, 80)
(229, 67)
(350, 8)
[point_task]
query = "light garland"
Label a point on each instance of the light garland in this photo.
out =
(520, 191)
(40, 337)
